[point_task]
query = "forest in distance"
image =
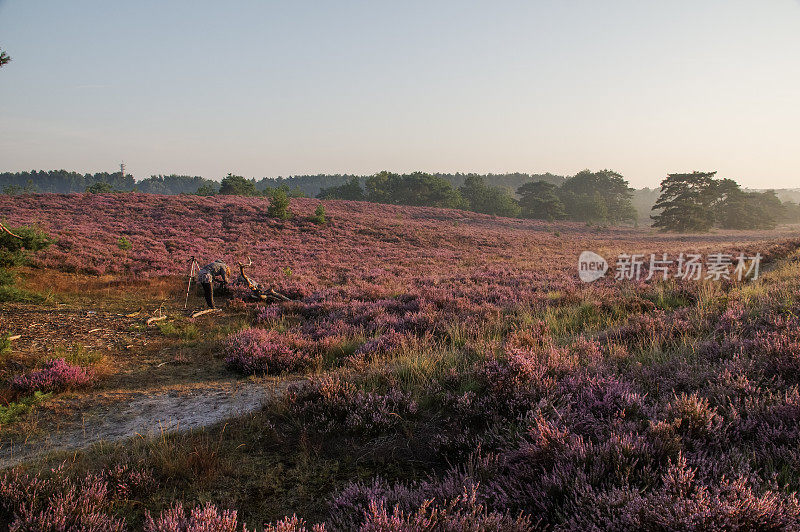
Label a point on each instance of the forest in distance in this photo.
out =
(595, 197)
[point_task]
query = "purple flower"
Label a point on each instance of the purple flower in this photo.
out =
(55, 376)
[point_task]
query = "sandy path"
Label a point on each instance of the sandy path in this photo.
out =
(147, 413)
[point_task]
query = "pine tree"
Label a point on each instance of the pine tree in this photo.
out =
(540, 201)
(279, 205)
(687, 202)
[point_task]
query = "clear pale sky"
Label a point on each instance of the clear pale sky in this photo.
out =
(265, 88)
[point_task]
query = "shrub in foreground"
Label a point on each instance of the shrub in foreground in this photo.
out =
(260, 351)
(59, 503)
(331, 405)
(200, 518)
(57, 375)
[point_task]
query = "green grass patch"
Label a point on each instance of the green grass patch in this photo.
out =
(335, 354)
(5, 344)
(78, 355)
(18, 295)
(586, 317)
(14, 410)
(184, 331)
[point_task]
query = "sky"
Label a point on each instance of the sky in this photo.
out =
(264, 88)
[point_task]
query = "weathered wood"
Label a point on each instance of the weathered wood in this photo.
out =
(15, 337)
(206, 311)
(155, 319)
(258, 291)
(5, 229)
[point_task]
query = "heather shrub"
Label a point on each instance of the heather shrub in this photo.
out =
(381, 507)
(693, 416)
(292, 524)
(331, 405)
(55, 376)
(477, 405)
(58, 503)
(200, 519)
(681, 502)
(460, 514)
(260, 351)
(597, 405)
(553, 467)
(346, 509)
(376, 348)
(267, 314)
(383, 344)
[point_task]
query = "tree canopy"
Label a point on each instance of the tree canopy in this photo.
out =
(598, 197)
(418, 188)
(487, 199)
(349, 191)
(539, 200)
(697, 202)
(237, 185)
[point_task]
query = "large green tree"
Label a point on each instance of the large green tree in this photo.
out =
(382, 187)
(738, 209)
(687, 202)
(418, 188)
(349, 191)
(602, 197)
(486, 199)
(238, 186)
(539, 200)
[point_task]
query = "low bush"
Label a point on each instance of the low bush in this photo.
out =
(319, 215)
(13, 410)
(279, 205)
(330, 405)
(14, 251)
(55, 376)
(59, 503)
(260, 351)
(201, 518)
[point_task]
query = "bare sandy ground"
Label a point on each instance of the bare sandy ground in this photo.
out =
(146, 413)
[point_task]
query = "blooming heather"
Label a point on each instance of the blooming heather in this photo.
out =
(55, 376)
(260, 351)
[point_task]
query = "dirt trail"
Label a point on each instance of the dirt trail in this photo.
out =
(147, 413)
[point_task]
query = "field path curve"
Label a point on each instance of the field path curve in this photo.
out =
(147, 413)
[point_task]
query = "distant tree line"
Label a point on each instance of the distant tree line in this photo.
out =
(699, 201)
(62, 181)
(595, 197)
(601, 197)
(685, 202)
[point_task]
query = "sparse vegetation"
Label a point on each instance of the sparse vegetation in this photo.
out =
(124, 244)
(100, 188)
(279, 205)
(319, 215)
(14, 410)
